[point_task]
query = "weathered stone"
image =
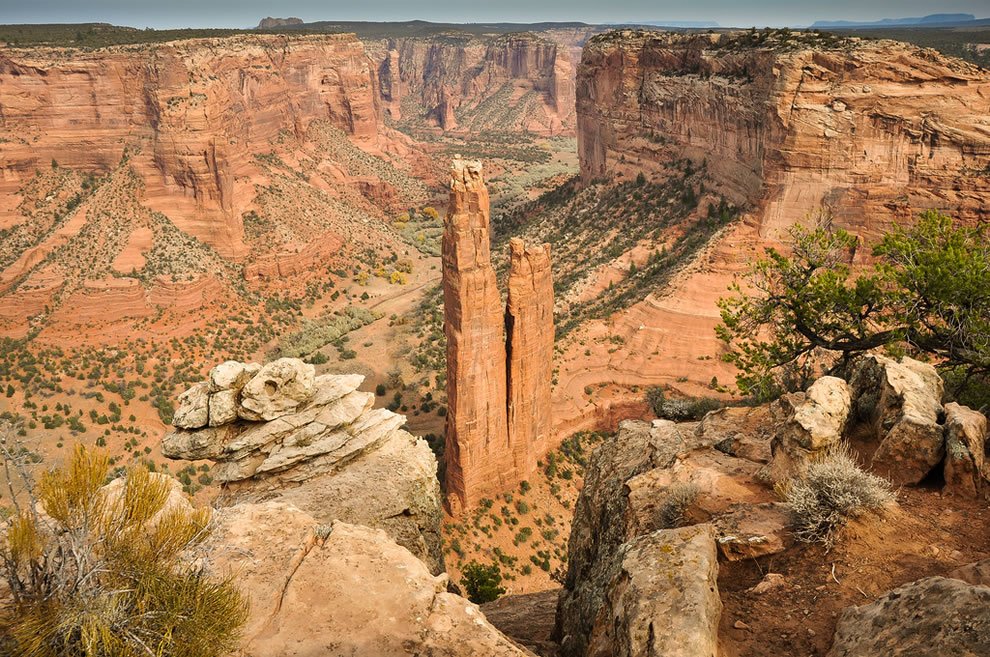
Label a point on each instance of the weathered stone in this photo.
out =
(965, 444)
(977, 573)
(206, 443)
(279, 388)
(662, 598)
(808, 425)
(223, 407)
(529, 324)
(741, 431)
(932, 617)
(334, 457)
(752, 531)
(478, 455)
(194, 409)
(340, 590)
(231, 375)
(902, 403)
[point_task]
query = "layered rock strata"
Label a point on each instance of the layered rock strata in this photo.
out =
(190, 116)
(279, 432)
(499, 360)
(875, 131)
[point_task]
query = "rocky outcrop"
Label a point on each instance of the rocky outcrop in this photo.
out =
(340, 590)
(478, 455)
(278, 432)
(639, 489)
(511, 82)
(901, 401)
(808, 425)
(660, 598)
(876, 131)
(189, 116)
(498, 360)
(529, 328)
(933, 617)
(966, 468)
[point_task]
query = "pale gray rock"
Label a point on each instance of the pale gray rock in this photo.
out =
(279, 388)
(193, 411)
(223, 407)
(232, 375)
(808, 425)
(965, 445)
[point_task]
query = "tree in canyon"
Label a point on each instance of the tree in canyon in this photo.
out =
(805, 312)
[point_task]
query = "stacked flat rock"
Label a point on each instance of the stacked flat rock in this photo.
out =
(278, 431)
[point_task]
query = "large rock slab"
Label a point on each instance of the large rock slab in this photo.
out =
(965, 445)
(808, 425)
(902, 403)
(662, 600)
(279, 388)
(932, 617)
(340, 590)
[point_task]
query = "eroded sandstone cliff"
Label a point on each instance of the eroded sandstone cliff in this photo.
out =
(190, 116)
(874, 131)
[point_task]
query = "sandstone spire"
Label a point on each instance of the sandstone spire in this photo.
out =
(529, 324)
(498, 390)
(477, 451)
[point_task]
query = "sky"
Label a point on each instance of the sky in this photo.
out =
(162, 14)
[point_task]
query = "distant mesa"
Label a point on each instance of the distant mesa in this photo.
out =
(270, 22)
(928, 21)
(681, 24)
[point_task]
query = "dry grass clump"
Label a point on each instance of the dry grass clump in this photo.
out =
(100, 572)
(679, 497)
(831, 491)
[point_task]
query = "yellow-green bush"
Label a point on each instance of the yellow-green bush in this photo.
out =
(96, 572)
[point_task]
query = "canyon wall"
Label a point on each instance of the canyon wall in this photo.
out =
(499, 361)
(788, 124)
(190, 115)
(512, 82)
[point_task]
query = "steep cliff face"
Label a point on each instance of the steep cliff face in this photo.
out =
(873, 131)
(513, 82)
(190, 115)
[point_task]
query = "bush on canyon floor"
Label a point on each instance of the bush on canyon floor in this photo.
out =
(809, 313)
(680, 410)
(833, 490)
(103, 574)
(482, 583)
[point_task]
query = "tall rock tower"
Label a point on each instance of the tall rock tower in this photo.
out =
(477, 452)
(529, 324)
(499, 361)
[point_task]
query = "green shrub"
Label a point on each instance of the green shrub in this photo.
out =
(482, 583)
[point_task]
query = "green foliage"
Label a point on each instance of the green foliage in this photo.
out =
(317, 333)
(102, 574)
(680, 410)
(807, 312)
(482, 583)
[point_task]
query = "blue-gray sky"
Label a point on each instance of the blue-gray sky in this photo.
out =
(244, 13)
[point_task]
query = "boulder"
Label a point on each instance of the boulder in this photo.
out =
(977, 573)
(932, 617)
(808, 425)
(333, 457)
(662, 599)
(279, 388)
(751, 531)
(223, 407)
(965, 444)
(193, 411)
(340, 590)
(231, 375)
(901, 401)
(741, 431)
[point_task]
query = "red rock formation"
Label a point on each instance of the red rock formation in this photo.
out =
(498, 390)
(462, 72)
(477, 453)
(529, 324)
(874, 130)
(190, 114)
